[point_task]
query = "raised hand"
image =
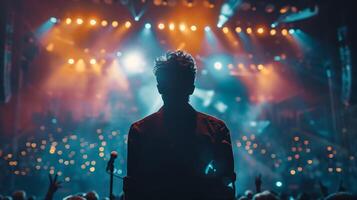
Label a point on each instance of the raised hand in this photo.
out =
(53, 187)
(258, 183)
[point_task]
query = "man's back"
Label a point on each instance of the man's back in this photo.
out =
(186, 155)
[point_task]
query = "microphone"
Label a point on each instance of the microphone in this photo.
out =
(110, 165)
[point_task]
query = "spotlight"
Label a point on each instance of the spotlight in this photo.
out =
(119, 53)
(172, 26)
(92, 22)
(53, 19)
(182, 27)
(260, 67)
(71, 61)
(238, 29)
(104, 23)
(68, 21)
(291, 31)
(279, 184)
(260, 30)
(225, 30)
(93, 61)
(207, 28)
(147, 25)
(193, 28)
(134, 62)
(249, 30)
(272, 32)
(115, 24)
(79, 21)
(284, 32)
(127, 24)
(218, 65)
(161, 26)
(137, 18)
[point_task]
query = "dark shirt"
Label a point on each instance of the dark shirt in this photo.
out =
(179, 155)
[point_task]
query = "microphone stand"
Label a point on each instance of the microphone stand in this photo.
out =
(111, 171)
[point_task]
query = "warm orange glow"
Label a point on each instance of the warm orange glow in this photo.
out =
(115, 24)
(260, 67)
(193, 28)
(161, 26)
(127, 24)
(80, 66)
(225, 30)
(249, 30)
(172, 26)
(71, 61)
(79, 21)
(284, 32)
(68, 21)
(93, 61)
(238, 29)
(93, 22)
(182, 27)
(260, 30)
(104, 23)
(272, 32)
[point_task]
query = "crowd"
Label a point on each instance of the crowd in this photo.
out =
(259, 194)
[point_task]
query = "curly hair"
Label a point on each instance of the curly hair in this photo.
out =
(175, 62)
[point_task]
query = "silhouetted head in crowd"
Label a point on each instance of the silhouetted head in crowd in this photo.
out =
(266, 195)
(248, 194)
(341, 196)
(92, 195)
(175, 74)
(19, 195)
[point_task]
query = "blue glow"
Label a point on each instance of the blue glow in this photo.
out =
(147, 25)
(291, 31)
(137, 18)
(279, 184)
(119, 54)
(53, 19)
(207, 28)
(230, 185)
(227, 11)
(218, 65)
(210, 168)
(54, 120)
(44, 28)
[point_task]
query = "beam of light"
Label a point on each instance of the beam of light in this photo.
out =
(211, 41)
(80, 65)
(134, 62)
(207, 28)
(148, 26)
(41, 31)
(301, 15)
(227, 11)
(53, 20)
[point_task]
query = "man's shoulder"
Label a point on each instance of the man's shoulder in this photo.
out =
(150, 120)
(211, 120)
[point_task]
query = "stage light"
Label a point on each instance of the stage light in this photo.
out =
(137, 18)
(92, 22)
(119, 54)
(68, 21)
(127, 24)
(115, 24)
(147, 25)
(260, 67)
(249, 30)
(161, 26)
(193, 28)
(182, 27)
(71, 61)
(291, 31)
(134, 62)
(272, 32)
(79, 21)
(53, 19)
(93, 61)
(238, 29)
(104, 23)
(207, 28)
(225, 30)
(284, 32)
(279, 184)
(172, 26)
(260, 30)
(218, 65)
(292, 172)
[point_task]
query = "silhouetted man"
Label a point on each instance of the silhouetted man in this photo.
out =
(177, 152)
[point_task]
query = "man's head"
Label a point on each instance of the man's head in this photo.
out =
(175, 74)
